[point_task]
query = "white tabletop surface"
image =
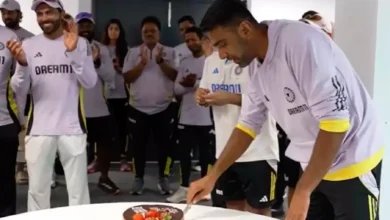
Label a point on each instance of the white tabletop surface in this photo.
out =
(114, 211)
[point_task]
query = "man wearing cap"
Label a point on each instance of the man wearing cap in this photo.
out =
(57, 72)
(12, 16)
(99, 121)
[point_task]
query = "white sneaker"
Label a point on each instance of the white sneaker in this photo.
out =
(179, 196)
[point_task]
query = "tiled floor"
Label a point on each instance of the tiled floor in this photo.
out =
(123, 180)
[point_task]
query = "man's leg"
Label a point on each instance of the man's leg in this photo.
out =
(230, 187)
(187, 140)
(73, 156)
(139, 128)
(21, 174)
(161, 123)
(8, 151)
(259, 186)
(40, 156)
(104, 127)
(205, 146)
(354, 199)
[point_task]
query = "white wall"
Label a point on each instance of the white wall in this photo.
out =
(29, 18)
(290, 9)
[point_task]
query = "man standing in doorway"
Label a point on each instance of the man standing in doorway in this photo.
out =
(57, 73)
(307, 83)
(150, 70)
(12, 15)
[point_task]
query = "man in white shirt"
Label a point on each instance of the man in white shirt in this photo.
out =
(100, 123)
(9, 128)
(57, 73)
(150, 70)
(195, 124)
(182, 50)
(307, 83)
(12, 16)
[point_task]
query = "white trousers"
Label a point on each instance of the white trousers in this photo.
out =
(40, 156)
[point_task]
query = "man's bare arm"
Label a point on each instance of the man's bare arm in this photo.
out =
(133, 74)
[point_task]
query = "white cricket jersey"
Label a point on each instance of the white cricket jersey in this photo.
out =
(190, 112)
(308, 84)
(120, 90)
(182, 51)
(225, 75)
(23, 33)
(8, 108)
(56, 78)
(95, 104)
(152, 92)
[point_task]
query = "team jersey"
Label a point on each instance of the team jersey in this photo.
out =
(95, 104)
(181, 52)
(23, 33)
(308, 84)
(120, 90)
(152, 92)
(225, 75)
(8, 107)
(56, 77)
(190, 112)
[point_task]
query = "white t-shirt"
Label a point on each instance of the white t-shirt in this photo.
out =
(95, 103)
(190, 112)
(56, 79)
(182, 51)
(23, 33)
(225, 75)
(8, 107)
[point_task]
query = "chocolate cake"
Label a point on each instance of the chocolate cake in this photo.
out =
(153, 212)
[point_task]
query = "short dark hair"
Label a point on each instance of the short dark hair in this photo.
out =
(153, 20)
(195, 30)
(309, 13)
(224, 13)
(188, 18)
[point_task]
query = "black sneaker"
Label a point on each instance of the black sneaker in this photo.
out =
(108, 186)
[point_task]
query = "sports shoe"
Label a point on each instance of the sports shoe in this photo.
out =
(179, 196)
(163, 185)
(196, 168)
(108, 186)
(125, 167)
(92, 167)
(138, 186)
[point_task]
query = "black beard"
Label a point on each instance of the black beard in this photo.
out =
(11, 24)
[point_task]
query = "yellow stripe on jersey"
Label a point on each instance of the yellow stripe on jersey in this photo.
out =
(247, 130)
(11, 103)
(30, 117)
(358, 169)
(338, 126)
(82, 118)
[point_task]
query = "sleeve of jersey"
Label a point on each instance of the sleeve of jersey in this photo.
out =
(129, 62)
(203, 82)
(253, 112)
(20, 84)
(172, 59)
(310, 54)
(178, 88)
(106, 71)
(82, 64)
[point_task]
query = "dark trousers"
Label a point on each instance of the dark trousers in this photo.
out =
(142, 126)
(118, 109)
(174, 108)
(191, 137)
(280, 181)
(8, 150)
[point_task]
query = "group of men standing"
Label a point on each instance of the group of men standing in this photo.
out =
(276, 71)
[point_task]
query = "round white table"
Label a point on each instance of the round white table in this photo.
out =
(114, 211)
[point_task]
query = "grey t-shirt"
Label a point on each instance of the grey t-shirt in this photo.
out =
(152, 92)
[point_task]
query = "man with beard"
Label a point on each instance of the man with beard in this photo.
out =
(307, 83)
(9, 128)
(57, 72)
(195, 125)
(12, 16)
(99, 121)
(182, 50)
(149, 68)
